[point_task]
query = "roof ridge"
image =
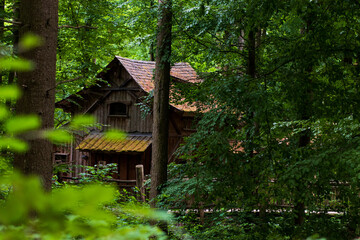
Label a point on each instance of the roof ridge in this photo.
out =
(182, 63)
(132, 60)
(147, 62)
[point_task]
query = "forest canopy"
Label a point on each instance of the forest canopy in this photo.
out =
(278, 134)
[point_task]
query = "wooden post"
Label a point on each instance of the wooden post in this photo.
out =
(140, 181)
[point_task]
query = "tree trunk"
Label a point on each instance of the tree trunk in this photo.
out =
(305, 113)
(304, 140)
(161, 100)
(39, 17)
(2, 10)
(253, 42)
(151, 51)
(15, 39)
(151, 47)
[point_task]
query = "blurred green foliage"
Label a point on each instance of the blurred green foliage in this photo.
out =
(29, 41)
(82, 121)
(114, 134)
(89, 211)
(15, 64)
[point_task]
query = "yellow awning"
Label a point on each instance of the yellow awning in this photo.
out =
(132, 143)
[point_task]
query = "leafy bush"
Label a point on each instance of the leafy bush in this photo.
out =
(88, 212)
(98, 173)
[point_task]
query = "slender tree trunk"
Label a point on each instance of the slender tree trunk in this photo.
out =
(252, 54)
(15, 42)
(254, 39)
(305, 113)
(251, 71)
(151, 47)
(304, 140)
(161, 100)
(2, 11)
(39, 17)
(151, 51)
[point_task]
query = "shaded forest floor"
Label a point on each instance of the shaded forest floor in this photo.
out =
(274, 225)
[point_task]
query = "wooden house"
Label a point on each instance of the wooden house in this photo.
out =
(115, 104)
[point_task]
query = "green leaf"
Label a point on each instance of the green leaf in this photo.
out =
(16, 64)
(58, 136)
(146, 212)
(80, 121)
(4, 112)
(27, 196)
(10, 92)
(22, 123)
(30, 41)
(13, 144)
(114, 134)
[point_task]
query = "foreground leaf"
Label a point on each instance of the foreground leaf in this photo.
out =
(9, 92)
(22, 123)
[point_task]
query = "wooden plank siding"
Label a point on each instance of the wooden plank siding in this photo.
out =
(133, 122)
(75, 157)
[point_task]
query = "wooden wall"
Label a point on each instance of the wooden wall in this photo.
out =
(75, 157)
(126, 162)
(133, 122)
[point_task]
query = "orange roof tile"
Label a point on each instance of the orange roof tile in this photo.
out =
(142, 72)
(132, 143)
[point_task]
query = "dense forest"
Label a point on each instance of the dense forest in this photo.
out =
(275, 151)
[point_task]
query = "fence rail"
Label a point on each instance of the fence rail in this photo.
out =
(138, 182)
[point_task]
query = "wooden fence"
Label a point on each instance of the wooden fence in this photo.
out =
(138, 182)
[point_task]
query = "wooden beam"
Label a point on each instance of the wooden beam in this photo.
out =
(95, 92)
(172, 155)
(120, 89)
(96, 102)
(125, 82)
(177, 129)
(134, 96)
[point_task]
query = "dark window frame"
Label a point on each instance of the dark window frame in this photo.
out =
(61, 158)
(118, 109)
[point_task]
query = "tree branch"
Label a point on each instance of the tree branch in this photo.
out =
(277, 67)
(76, 27)
(62, 82)
(207, 44)
(9, 21)
(9, 26)
(70, 80)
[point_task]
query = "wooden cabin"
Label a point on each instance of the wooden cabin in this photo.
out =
(114, 102)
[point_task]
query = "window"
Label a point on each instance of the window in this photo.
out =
(61, 158)
(118, 109)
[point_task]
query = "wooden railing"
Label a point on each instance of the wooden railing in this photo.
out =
(138, 182)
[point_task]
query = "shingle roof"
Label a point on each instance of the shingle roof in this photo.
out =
(132, 143)
(142, 72)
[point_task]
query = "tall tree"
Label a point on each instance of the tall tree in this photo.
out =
(2, 11)
(15, 37)
(161, 100)
(302, 95)
(39, 17)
